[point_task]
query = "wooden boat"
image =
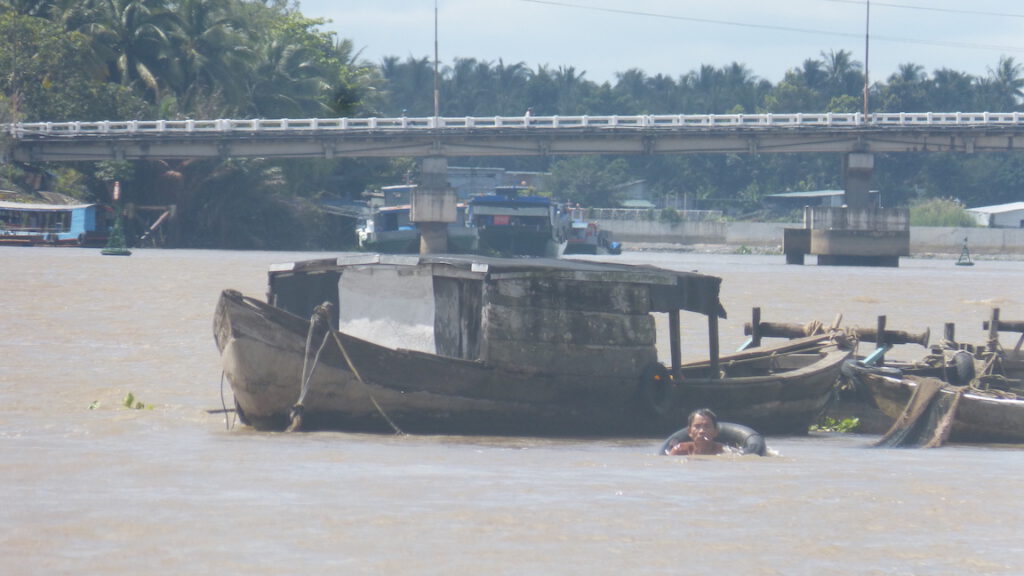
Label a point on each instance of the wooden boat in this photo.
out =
(522, 346)
(978, 415)
(587, 238)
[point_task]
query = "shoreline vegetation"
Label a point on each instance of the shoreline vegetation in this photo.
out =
(268, 60)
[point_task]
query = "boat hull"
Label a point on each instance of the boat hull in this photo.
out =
(264, 354)
(978, 418)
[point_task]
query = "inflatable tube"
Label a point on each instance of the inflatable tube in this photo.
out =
(746, 439)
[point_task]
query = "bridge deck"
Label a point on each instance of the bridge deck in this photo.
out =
(515, 135)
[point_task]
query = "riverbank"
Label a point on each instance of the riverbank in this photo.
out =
(658, 247)
(767, 238)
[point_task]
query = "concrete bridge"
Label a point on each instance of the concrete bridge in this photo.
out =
(856, 234)
(514, 136)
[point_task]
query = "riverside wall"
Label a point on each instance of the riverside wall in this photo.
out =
(767, 236)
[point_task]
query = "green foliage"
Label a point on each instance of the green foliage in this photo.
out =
(829, 424)
(940, 212)
(669, 216)
(134, 404)
(217, 58)
(587, 180)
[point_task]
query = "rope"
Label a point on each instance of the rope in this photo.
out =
(227, 423)
(299, 408)
(814, 327)
(321, 314)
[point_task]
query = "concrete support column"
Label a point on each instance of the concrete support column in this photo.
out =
(433, 205)
(858, 168)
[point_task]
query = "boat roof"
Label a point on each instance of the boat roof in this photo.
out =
(503, 199)
(5, 205)
(671, 290)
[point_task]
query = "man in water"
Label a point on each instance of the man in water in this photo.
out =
(703, 431)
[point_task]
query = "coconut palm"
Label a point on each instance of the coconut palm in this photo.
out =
(211, 58)
(131, 36)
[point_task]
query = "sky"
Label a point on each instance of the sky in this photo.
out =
(601, 38)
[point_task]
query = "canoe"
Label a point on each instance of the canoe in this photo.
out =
(514, 346)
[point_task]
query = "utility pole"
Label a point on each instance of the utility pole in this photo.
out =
(437, 77)
(867, 35)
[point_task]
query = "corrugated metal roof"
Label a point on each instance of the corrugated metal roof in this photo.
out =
(998, 208)
(23, 206)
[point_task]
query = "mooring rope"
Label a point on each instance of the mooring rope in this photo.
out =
(352, 367)
(321, 315)
(299, 408)
(227, 423)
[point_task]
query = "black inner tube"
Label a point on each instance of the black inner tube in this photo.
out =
(744, 438)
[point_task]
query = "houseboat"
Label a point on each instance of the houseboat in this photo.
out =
(24, 224)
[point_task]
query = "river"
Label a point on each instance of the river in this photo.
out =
(90, 486)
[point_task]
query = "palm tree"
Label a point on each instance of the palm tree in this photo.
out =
(906, 90)
(843, 74)
(131, 36)
(572, 89)
(287, 83)
(211, 58)
(951, 91)
(1007, 82)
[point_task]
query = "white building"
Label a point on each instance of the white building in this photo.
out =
(999, 216)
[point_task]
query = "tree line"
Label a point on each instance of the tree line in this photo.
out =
(202, 59)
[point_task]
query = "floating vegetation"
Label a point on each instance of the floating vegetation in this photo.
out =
(828, 424)
(94, 405)
(131, 402)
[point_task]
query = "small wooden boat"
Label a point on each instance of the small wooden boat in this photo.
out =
(977, 415)
(517, 346)
(585, 237)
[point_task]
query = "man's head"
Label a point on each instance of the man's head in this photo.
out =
(703, 425)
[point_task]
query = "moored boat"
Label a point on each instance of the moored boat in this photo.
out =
(585, 237)
(524, 346)
(509, 223)
(976, 415)
(389, 230)
(23, 224)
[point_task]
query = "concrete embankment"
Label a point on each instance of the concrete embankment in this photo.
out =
(767, 236)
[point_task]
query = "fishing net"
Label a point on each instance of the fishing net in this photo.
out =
(928, 417)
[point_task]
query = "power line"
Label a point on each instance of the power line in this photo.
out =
(942, 43)
(933, 9)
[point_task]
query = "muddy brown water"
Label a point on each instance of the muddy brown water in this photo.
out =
(89, 486)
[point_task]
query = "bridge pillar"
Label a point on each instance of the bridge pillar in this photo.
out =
(857, 234)
(858, 168)
(433, 205)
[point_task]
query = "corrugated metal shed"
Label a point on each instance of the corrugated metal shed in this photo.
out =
(1009, 215)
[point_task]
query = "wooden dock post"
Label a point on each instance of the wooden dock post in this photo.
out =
(676, 344)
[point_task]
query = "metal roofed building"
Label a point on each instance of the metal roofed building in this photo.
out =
(1000, 215)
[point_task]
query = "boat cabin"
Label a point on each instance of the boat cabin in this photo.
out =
(519, 313)
(52, 224)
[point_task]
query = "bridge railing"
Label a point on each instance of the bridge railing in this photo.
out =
(643, 121)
